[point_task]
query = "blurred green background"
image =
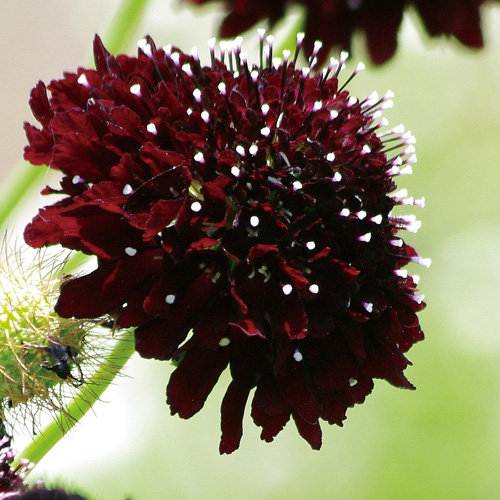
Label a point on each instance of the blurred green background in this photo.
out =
(441, 441)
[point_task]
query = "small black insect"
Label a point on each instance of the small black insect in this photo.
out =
(63, 356)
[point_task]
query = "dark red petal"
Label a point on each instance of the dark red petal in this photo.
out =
(194, 379)
(232, 410)
(311, 432)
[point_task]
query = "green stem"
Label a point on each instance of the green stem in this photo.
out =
(82, 402)
(123, 23)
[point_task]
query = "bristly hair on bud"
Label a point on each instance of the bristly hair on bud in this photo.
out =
(242, 216)
(43, 357)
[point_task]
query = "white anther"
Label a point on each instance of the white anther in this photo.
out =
(235, 171)
(170, 299)
(333, 114)
(266, 131)
(253, 149)
(330, 156)
(76, 179)
(287, 289)
(151, 128)
(196, 206)
(361, 214)
(254, 221)
(337, 177)
(127, 189)
(265, 109)
(222, 88)
(297, 356)
(352, 382)
(82, 80)
(205, 116)
(136, 89)
(187, 69)
(365, 237)
(297, 185)
(314, 288)
(345, 212)
(368, 306)
(199, 157)
(130, 251)
(317, 106)
(377, 219)
(197, 95)
(240, 150)
(402, 273)
(224, 342)
(351, 101)
(310, 245)
(145, 46)
(416, 279)
(366, 149)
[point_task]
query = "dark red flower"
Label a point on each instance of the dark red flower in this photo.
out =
(241, 216)
(11, 480)
(334, 22)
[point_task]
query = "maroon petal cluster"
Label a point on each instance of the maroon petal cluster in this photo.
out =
(242, 218)
(11, 480)
(334, 22)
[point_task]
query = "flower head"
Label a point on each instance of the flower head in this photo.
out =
(242, 217)
(334, 23)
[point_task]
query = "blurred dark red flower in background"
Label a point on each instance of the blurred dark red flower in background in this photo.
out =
(334, 22)
(11, 480)
(241, 216)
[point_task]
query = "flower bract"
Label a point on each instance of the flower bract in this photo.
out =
(242, 217)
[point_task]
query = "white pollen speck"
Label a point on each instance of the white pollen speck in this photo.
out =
(402, 273)
(310, 245)
(368, 306)
(330, 156)
(224, 341)
(253, 149)
(344, 212)
(199, 157)
(317, 105)
(287, 289)
(365, 237)
(254, 221)
(352, 382)
(127, 189)
(337, 177)
(197, 95)
(196, 206)
(130, 251)
(266, 131)
(377, 219)
(333, 114)
(297, 185)
(297, 356)
(136, 89)
(205, 116)
(170, 298)
(151, 128)
(76, 179)
(240, 150)
(82, 80)
(235, 171)
(222, 88)
(314, 288)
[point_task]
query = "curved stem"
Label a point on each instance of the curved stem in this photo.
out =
(82, 402)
